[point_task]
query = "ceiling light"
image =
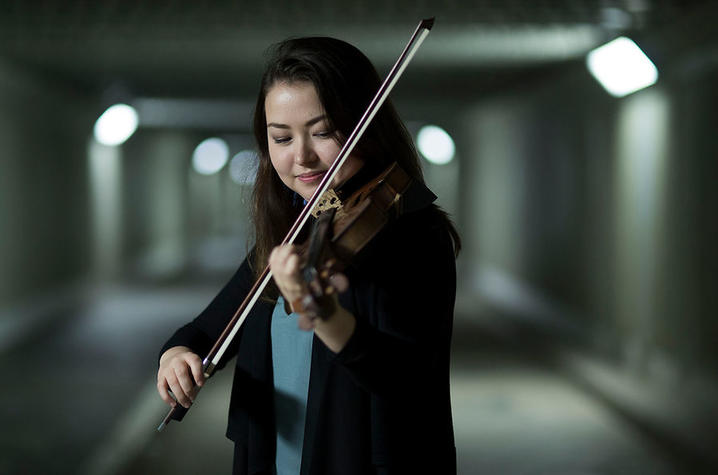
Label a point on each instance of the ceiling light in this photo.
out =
(621, 67)
(116, 125)
(243, 167)
(435, 144)
(210, 156)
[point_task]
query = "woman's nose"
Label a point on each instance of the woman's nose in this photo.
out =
(304, 153)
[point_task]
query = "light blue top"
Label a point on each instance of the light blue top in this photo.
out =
(291, 362)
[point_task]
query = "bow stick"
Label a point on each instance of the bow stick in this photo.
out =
(225, 339)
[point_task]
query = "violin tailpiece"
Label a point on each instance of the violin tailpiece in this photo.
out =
(329, 200)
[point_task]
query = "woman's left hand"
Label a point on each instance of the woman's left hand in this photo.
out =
(285, 264)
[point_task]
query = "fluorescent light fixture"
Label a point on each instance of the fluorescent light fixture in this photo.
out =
(243, 167)
(116, 125)
(621, 67)
(210, 156)
(435, 144)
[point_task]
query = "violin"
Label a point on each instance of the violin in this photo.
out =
(342, 230)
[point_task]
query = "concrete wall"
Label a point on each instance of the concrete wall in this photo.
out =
(592, 221)
(155, 200)
(44, 127)
(174, 218)
(604, 206)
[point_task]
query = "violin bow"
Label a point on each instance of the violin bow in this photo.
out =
(225, 339)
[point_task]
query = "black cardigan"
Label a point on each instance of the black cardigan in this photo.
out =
(382, 404)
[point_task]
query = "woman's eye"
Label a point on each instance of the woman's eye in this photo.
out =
(281, 140)
(324, 134)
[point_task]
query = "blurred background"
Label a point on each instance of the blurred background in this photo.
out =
(585, 329)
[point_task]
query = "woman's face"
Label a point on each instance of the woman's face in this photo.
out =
(302, 147)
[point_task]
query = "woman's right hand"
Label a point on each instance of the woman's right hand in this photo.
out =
(179, 369)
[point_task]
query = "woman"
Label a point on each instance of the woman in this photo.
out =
(365, 390)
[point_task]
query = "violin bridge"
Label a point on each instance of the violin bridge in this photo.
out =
(329, 200)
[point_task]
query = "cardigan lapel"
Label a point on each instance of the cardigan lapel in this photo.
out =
(262, 432)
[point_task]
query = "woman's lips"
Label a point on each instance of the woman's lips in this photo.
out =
(311, 177)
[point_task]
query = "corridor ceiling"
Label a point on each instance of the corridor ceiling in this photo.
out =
(203, 48)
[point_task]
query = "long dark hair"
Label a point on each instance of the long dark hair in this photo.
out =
(345, 81)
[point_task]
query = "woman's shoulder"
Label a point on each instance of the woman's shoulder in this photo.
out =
(412, 234)
(426, 224)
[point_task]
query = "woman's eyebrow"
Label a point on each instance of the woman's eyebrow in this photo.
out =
(311, 121)
(316, 119)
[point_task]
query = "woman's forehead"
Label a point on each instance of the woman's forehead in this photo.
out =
(294, 99)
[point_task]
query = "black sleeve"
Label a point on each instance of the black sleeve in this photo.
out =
(404, 307)
(202, 332)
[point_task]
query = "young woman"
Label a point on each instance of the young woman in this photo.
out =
(366, 390)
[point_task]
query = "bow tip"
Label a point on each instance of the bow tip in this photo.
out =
(428, 23)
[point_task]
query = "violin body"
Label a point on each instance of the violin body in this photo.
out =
(367, 211)
(342, 231)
